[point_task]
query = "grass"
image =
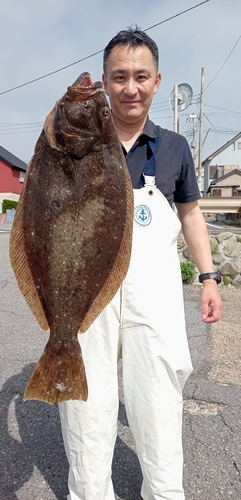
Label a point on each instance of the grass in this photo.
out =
(227, 280)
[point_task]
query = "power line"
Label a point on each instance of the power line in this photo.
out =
(224, 63)
(31, 124)
(99, 51)
(163, 117)
(51, 73)
(176, 15)
(20, 128)
(21, 131)
(223, 109)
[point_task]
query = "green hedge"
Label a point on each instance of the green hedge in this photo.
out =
(8, 205)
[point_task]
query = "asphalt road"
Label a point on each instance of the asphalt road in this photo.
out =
(219, 227)
(33, 465)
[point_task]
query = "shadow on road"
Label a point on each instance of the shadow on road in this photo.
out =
(126, 475)
(38, 443)
(31, 436)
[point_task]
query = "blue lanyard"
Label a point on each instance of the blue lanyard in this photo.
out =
(150, 166)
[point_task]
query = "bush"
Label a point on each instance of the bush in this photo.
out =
(8, 205)
(238, 239)
(188, 272)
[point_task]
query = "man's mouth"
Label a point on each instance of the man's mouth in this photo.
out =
(130, 102)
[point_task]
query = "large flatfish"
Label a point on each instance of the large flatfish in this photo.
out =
(71, 239)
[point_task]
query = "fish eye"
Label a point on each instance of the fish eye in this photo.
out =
(105, 111)
(86, 105)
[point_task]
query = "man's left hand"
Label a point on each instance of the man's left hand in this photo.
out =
(211, 302)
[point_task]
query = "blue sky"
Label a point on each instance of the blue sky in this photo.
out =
(41, 36)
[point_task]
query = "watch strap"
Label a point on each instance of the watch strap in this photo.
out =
(208, 276)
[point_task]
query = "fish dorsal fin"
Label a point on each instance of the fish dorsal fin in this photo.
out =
(20, 265)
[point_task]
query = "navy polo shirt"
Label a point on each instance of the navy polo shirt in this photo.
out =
(175, 172)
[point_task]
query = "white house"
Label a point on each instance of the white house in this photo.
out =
(221, 170)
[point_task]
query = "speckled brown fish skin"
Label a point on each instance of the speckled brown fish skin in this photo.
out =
(71, 239)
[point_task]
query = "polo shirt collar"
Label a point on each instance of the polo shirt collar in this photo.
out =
(150, 129)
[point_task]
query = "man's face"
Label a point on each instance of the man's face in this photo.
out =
(130, 81)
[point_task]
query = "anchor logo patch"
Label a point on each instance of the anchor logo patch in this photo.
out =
(142, 215)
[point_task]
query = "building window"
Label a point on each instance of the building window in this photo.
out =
(21, 176)
(239, 145)
(217, 171)
(216, 193)
(213, 171)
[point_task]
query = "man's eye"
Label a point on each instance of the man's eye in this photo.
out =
(119, 78)
(141, 78)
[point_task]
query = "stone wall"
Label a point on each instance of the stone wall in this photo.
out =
(226, 253)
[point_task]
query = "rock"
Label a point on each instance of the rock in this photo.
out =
(218, 259)
(187, 253)
(228, 269)
(182, 258)
(213, 243)
(231, 248)
(181, 243)
(237, 281)
(237, 261)
(226, 255)
(223, 236)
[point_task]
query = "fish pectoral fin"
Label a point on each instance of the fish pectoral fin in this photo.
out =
(58, 378)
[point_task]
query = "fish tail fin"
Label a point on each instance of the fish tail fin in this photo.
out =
(58, 378)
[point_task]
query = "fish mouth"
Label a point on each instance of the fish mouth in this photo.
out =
(83, 87)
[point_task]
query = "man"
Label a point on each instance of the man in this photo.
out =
(145, 320)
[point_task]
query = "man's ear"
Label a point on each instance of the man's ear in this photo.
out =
(157, 82)
(104, 81)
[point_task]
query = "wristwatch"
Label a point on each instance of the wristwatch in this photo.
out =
(210, 276)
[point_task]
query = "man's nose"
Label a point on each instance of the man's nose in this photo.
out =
(131, 87)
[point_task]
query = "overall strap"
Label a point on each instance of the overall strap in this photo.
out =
(150, 166)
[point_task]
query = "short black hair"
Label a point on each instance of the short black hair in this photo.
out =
(132, 37)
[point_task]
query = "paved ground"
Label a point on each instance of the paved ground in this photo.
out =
(215, 227)
(212, 418)
(32, 459)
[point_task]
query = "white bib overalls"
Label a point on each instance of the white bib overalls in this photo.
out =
(145, 321)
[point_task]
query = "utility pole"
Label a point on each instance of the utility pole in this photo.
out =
(200, 131)
(175, 109)
(193, 117)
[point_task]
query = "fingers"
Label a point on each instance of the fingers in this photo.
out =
(212, 316)
(211, 305)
